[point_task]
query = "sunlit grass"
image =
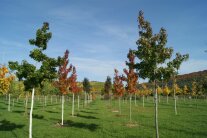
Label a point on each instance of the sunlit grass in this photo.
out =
(100, 119)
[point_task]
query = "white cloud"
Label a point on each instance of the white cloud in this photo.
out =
(97, 69)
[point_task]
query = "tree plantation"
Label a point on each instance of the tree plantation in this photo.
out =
(43, 97)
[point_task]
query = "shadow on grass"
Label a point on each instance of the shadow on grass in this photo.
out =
(87, 116)
(91, 127)
(8, 126)
(88, 112)
(36, 116)
(52, 112)
(19, 112)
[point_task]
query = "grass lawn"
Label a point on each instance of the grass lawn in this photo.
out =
(100, 119)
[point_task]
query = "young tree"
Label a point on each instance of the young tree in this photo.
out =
(107, 87)
(152, 52)
(174, 65)
(185, 90)
(29, 73)
(159, 92)
(86, 89)
(5, 82)
(73, 86)
(118, 87)
(144, 92)
(166, 91)
(194, 89)
(63, 81)
(131, 77)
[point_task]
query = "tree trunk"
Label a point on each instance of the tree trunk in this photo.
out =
(62, 108)
(13, 103)
(156, 110)
(30, 116)
(51, 99)
(167, 99)
(85, 102)
(120, 105)
(45, 100)
(73, 105)
(143, 100)
(135, 100)
(175, 106)
(26, 105)
(159, 98)
(78, 102)
(56, 99)
(130, 108)
(9, 103)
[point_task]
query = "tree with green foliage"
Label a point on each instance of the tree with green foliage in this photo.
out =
(31, 75)
(107, 87)
(151, 52)
(86, 89)
(174, 66)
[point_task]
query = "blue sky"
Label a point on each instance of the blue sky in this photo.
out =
(99, 33)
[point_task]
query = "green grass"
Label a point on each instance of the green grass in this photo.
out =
(98, 120)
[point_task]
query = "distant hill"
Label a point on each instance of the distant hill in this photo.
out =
(185, 79)
(97, 86)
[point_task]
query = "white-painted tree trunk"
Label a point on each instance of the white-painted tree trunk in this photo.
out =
(156, 111)
(73, 104)
(120, 105)
(30, 116)
(130, 108)
(51, 99)
(142, 100)
(26, 104)
(9, 103)
(135, 100)
(78, 103)
(45, 100)
(175, 101)
(85, 99)
(62, 109)
(13, 103)
(159, 98)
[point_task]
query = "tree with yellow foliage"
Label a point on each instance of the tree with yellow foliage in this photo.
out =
(185, 91)
(144, 92)
(166, 91)
(193, 91)
(159, 92)
(5, 81)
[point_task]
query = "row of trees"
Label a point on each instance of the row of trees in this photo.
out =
(153, 64)
(46, 78)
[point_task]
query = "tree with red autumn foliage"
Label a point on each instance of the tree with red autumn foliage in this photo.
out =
(63, 81)
(118, 87)
(131, 77)
(74, 88)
